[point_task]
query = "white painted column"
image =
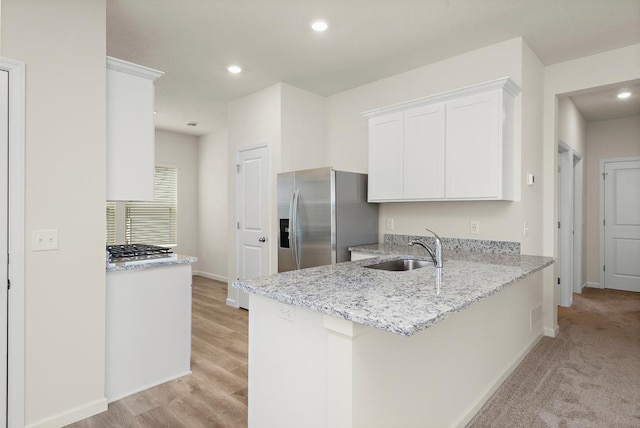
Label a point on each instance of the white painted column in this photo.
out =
(340, 337)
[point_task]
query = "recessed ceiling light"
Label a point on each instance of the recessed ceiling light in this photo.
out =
(234, 69)
(623, 95)
(192, 123)
(319, 25)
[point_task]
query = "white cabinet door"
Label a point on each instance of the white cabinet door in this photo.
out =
(130, 131)
(386, 157)
(473, 147)
(424, 139)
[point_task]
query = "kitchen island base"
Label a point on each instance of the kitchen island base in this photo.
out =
(315, 370)
(148, 331)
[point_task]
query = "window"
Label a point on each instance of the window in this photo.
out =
(111, 222)
(149, 222)
(155, 222)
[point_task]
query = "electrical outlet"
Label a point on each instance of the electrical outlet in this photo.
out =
(474, 227)
(286, 312)
(44, 240)
(389, 224)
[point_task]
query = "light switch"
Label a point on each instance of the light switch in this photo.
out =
(44, 240)
(389, 224)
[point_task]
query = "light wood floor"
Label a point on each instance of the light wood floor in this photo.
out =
(215, 394)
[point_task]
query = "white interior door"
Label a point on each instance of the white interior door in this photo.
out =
(253, 216)
(622, 225)
(4, 224)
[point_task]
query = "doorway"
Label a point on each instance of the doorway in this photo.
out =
(620, 223)
(12, 126)
(570, 169)
(252, 216)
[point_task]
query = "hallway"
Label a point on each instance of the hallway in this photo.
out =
(587, 377)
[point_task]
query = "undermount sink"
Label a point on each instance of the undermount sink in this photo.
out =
(401, 265)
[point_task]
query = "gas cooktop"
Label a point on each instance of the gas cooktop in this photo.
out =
(134, 252)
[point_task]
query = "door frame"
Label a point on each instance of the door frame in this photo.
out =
(578, 221)
(601, 238)
(565, 220)
(571, 216)
(235, 301)
(15, 298)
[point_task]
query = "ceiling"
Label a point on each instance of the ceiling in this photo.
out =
(193, 41)
(603, 103)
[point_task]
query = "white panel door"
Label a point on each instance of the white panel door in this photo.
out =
(473, 147)
(386, 157)
(4, 206)
(253, 216)
(424, 132)
(622, 225)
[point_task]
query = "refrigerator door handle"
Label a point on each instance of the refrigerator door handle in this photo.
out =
(293, 226)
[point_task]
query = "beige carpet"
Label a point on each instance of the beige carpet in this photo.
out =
(589, 376)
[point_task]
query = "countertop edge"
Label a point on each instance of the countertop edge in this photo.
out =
(179, 259)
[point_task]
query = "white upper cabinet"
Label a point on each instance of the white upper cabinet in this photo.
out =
(452, 146)
(424, 140)
(386, 157)
(130, 131)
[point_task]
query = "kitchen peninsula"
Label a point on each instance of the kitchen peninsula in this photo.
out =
(148, 323)
(350, 346)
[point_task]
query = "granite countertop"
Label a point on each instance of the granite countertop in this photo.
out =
(174, 259)
(399, 302)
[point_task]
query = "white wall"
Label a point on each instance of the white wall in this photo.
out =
(213, 224)
(572, 127)
(181, 150)
(254, 119)
(63, 46)
(303, 129)
(613, 138)
(532, 113)
(347, 140)
(292, 121)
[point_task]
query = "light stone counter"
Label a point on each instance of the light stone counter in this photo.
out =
(399, 302)
(174, 259)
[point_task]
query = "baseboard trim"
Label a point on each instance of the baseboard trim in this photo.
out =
(552, 331)
(491, 389)
(233, 303)
(70, 416)
(145, 387)
(210, 276)
(592, 285)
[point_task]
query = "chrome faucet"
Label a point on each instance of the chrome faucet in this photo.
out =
(435, 256)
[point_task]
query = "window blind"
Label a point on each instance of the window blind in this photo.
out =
(111, 222)
(155, 222)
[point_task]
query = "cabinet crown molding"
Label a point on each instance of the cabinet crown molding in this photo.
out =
(504, 83)
(133, 69)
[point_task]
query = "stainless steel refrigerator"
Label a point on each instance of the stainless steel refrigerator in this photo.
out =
(321, 213)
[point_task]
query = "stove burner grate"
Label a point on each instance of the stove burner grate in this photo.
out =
(137, 250)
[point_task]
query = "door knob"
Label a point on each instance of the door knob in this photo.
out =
(263, 239)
